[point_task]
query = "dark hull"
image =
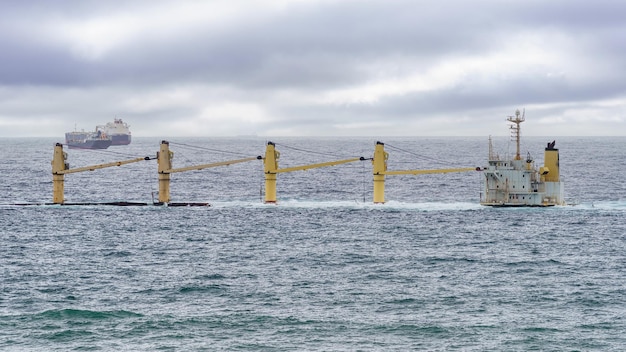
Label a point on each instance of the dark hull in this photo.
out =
(120, 139)
(89, 144)
(86, 140)
(508, 205)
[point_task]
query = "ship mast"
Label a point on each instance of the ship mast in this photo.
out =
(492, 154)
(515, 130)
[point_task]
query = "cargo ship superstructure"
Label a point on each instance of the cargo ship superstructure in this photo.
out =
(118, 131)
(518, 182)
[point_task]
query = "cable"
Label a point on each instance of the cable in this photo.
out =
(109, 152)
(419, 155)
(308, 151)
(208, 149)
(364, 181)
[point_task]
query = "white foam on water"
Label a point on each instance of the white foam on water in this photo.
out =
(312, 204)
(602, 205)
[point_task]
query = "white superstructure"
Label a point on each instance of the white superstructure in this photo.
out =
(518, 182)
(118, 131)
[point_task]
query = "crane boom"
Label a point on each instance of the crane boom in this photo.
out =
(60, 168)
(318, 165)
(206, 166)
(101, 166)
(164, 158)
(271, 169)
(423, 172)
(379, 163)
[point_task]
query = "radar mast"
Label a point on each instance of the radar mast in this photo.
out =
(515, 130)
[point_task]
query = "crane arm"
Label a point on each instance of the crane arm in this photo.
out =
(314, 166)
(422, 172)
(101, 166)
(206, 166)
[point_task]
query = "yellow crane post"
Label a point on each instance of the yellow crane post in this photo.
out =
(60, 167)
(271, 169)
(379, 163)
(164, 159)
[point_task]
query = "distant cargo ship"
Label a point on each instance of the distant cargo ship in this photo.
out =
(118, 131)
(87, 140)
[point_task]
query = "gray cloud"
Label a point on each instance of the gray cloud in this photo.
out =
(310, 67)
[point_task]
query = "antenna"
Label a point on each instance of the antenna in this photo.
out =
(492, 154)
(515, 130)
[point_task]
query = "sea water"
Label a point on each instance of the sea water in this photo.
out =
(324, 268)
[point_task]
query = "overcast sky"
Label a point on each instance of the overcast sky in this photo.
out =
(313, 67)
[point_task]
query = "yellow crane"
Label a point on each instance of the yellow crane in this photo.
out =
(164, 159)
(60, 167)
(379, 164)
(271, 168)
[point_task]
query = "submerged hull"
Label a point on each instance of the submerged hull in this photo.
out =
(515, 205)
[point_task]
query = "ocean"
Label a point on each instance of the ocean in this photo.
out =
(324, 269)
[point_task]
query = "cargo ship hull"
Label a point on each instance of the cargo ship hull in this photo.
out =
(120, 139)
(86, 140)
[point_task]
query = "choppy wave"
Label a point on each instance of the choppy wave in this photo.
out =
(324, 269)
(603, 205)
(65, 315)
(348, 204)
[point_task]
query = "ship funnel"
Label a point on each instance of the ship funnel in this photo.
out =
(551, 162)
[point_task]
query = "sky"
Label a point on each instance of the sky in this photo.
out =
(313, 67)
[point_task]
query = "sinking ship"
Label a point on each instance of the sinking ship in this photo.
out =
(518, 182)
(118, 131)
